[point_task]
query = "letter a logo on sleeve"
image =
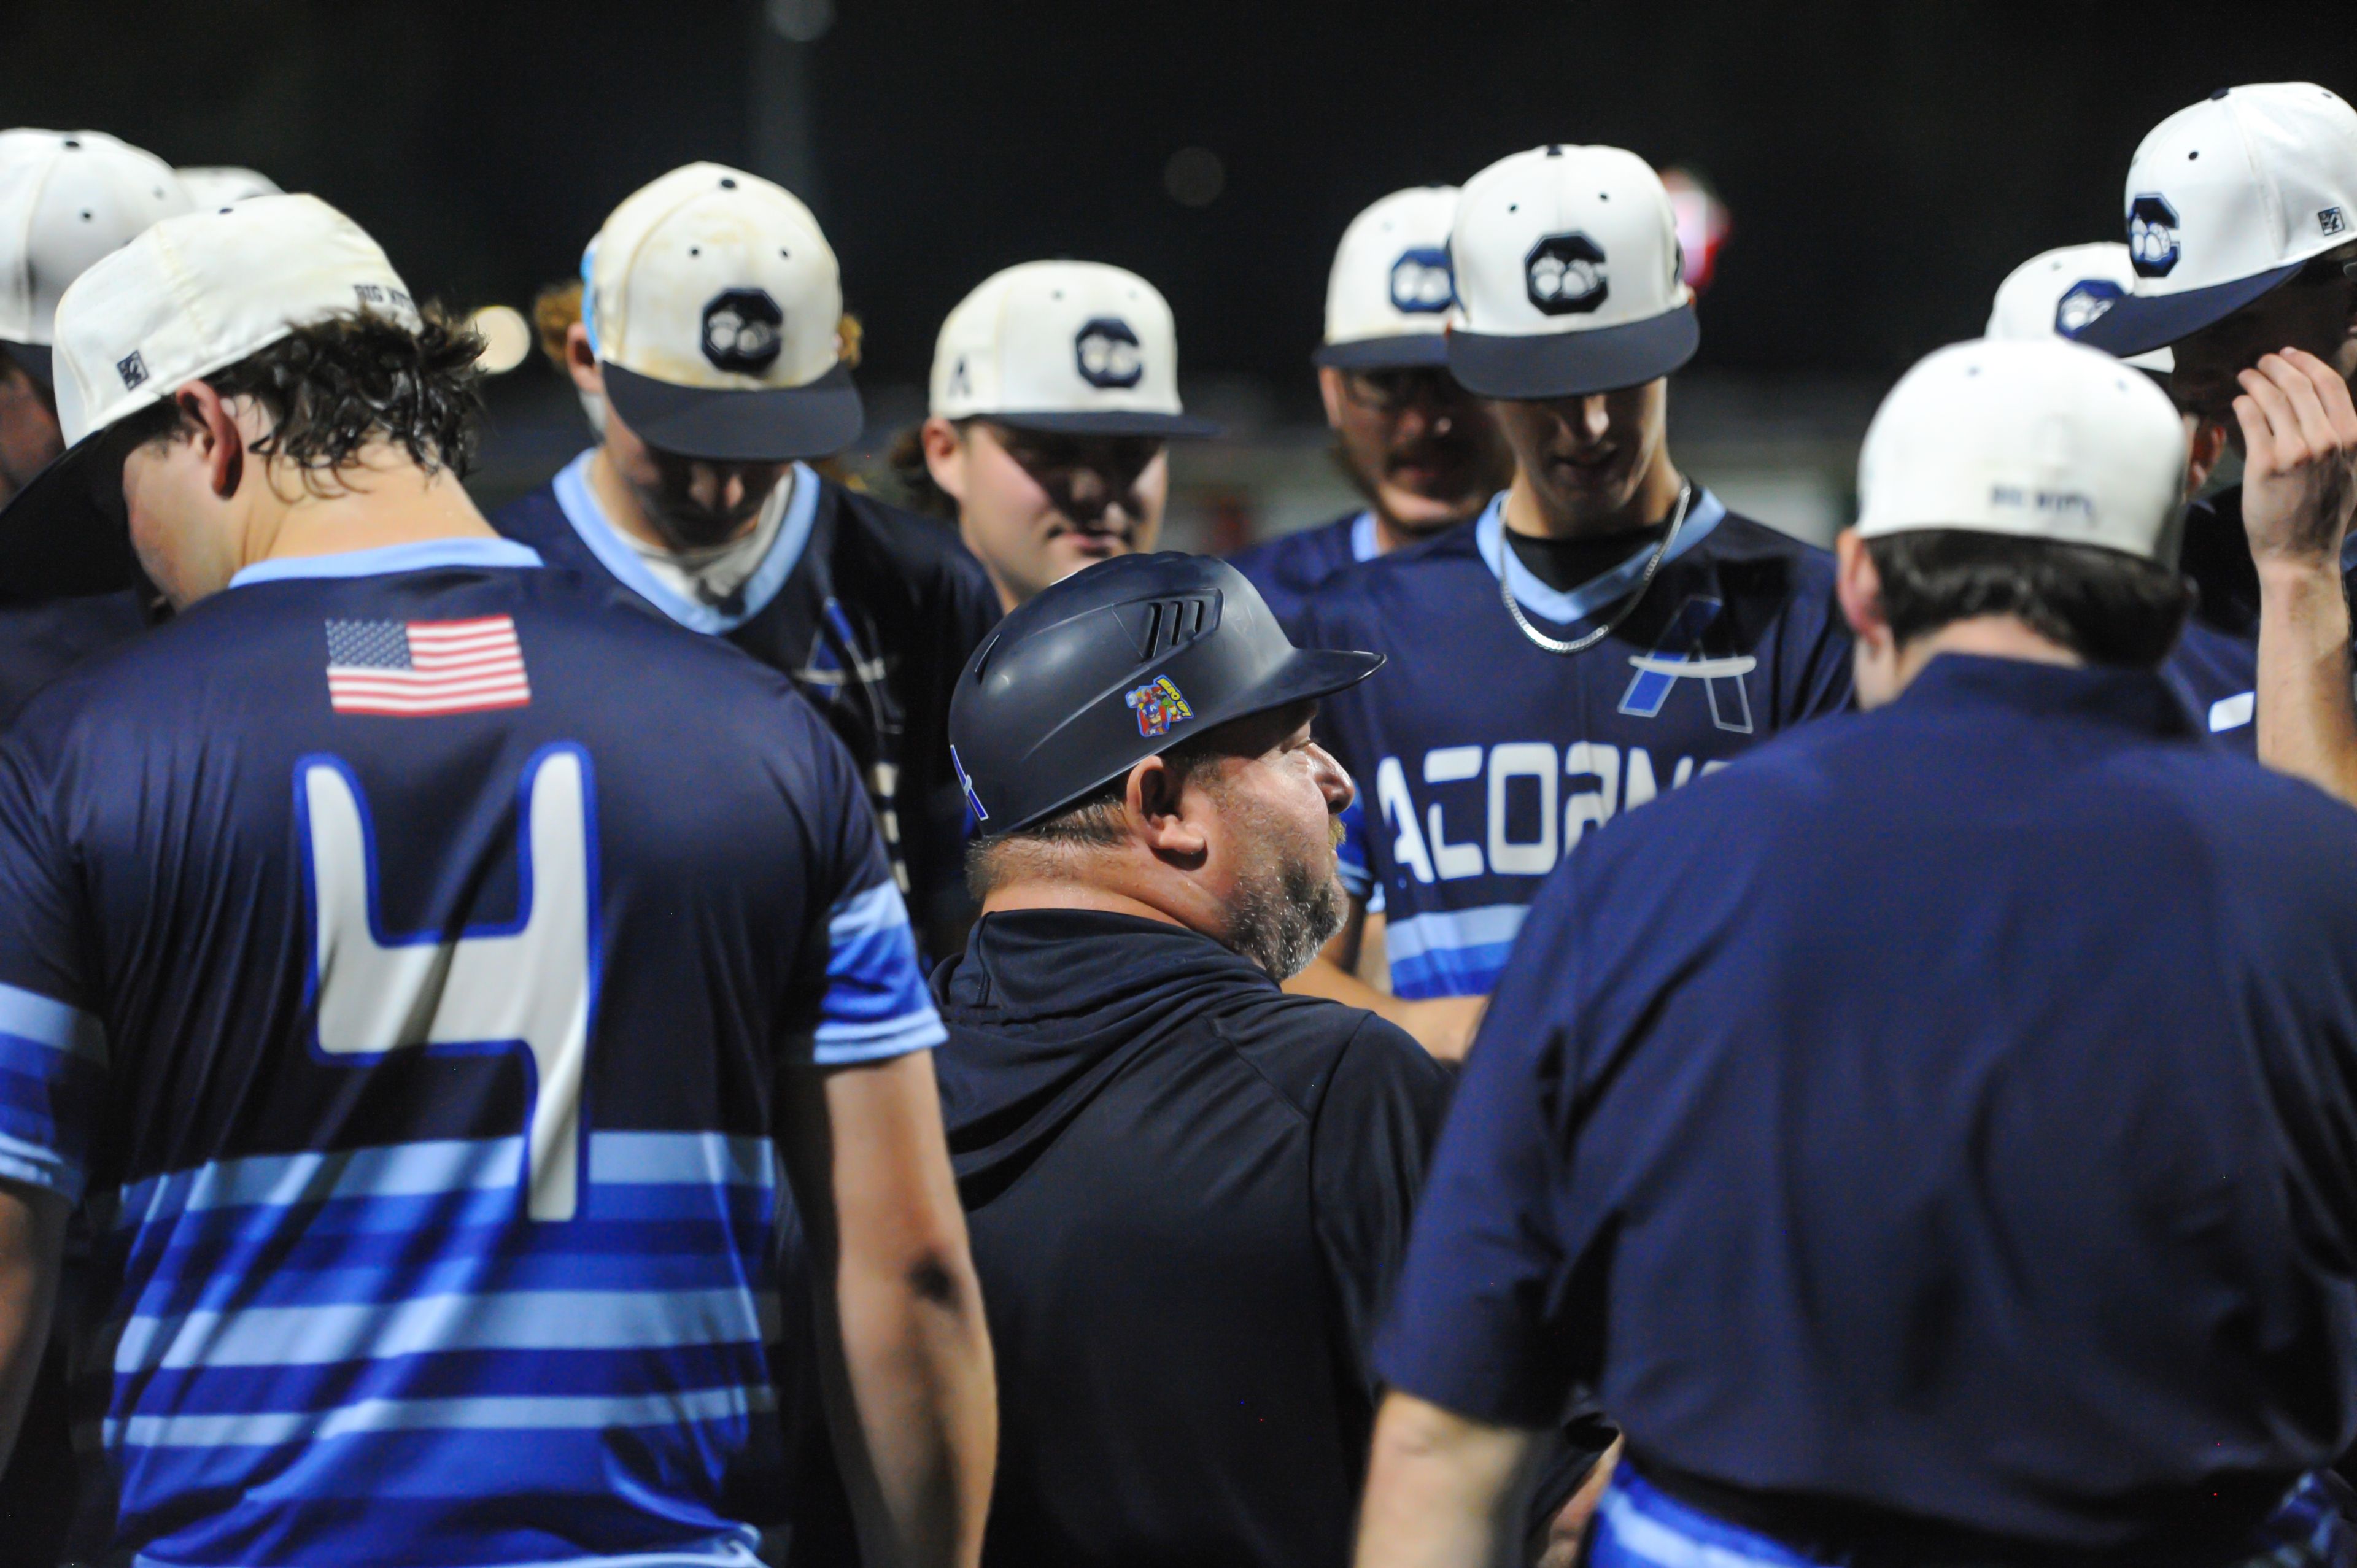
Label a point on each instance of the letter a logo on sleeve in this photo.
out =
(1159, 705)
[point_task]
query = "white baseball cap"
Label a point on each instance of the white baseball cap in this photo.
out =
(211, 185)
(188, 297)
(1076, 348)
(714, 307)
(1392, 294)
(2057, 291)
(2227, 200)
(2037, 438)
(1568, 276)
(68, 198)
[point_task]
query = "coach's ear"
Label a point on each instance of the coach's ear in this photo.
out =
(214, 431)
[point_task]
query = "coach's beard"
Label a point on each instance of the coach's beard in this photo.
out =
(1283, 913)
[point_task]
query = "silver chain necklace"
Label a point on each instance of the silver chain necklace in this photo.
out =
(1636, 596)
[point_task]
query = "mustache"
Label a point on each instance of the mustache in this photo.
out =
(1334, 833)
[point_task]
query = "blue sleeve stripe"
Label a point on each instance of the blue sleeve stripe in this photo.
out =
(877, 910)
(45, 1021)
(511, 1414)
(914, 1033)
(37, 1166)
(500, 1320)
(877, 1004)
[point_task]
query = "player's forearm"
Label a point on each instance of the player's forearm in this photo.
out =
(1441, 1024)
(2307, 709)
(1441, 1489)
(918, 1358)
(32, 1232)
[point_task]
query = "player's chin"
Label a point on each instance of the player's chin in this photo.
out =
(1074, 549)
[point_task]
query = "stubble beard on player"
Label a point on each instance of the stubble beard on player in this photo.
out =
(1287, 906)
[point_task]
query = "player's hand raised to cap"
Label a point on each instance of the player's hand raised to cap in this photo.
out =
(2299, 477)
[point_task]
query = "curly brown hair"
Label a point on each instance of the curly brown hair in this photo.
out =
(335, 386)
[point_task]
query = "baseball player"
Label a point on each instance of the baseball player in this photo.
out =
(2239, 214)
(710, 336)
(1054, 392)
(1935, 1140)
(1612, 629)
(419, 970)
(2056, 293)
(67, 198)
(1422, 450)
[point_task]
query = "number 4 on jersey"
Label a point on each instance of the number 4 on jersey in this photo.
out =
(531, 983)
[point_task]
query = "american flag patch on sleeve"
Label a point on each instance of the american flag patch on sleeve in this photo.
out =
(420, 668)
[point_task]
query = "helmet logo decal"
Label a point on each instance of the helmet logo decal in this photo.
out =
(1106, 352)
(2152, 235)
(1422, 283)
(743, 330)
(1159, 705)
(1565, 275)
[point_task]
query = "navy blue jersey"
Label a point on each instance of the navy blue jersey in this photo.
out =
(1951, 1112)
(399, 953)
(870, 611)
(40, 642)
(2216, 675)
(1481, 758)
(1287, 570)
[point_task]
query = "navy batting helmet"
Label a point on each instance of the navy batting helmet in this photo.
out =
(1114, 665)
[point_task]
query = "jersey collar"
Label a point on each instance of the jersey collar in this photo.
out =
(387, 559)
(1565, 605)
(580, 504)
(1364, 543)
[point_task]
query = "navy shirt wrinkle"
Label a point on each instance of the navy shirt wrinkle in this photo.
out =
(1951, 1110)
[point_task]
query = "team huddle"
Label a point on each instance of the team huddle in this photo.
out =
(708, 1017)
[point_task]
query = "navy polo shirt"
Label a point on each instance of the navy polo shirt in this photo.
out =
(1949, 1110)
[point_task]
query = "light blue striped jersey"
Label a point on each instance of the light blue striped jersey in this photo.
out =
(418, 1069)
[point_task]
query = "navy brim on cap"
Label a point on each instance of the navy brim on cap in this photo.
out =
(1109, 422)
(1533, 367)
(64, 536)
(34, 357)
(1408, 351)
(2139, 323)
(771, 424)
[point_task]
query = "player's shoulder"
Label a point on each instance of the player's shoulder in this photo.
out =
(1441, 562)
(1739, 538)
(1303, 559)
(533, 518)
(1302, 1045)
(909, 540)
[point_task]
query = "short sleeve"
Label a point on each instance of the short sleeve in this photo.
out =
(873, 1003)
(1478, 1323)
(52, 1052)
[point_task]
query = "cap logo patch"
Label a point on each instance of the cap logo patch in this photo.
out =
(1423, 282)
(2083, 304)
(2152, 236)
(132, 367)
(1565, 275)
(743, 330)
(1159, 705)
(1107, 355)
(2330, 220)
